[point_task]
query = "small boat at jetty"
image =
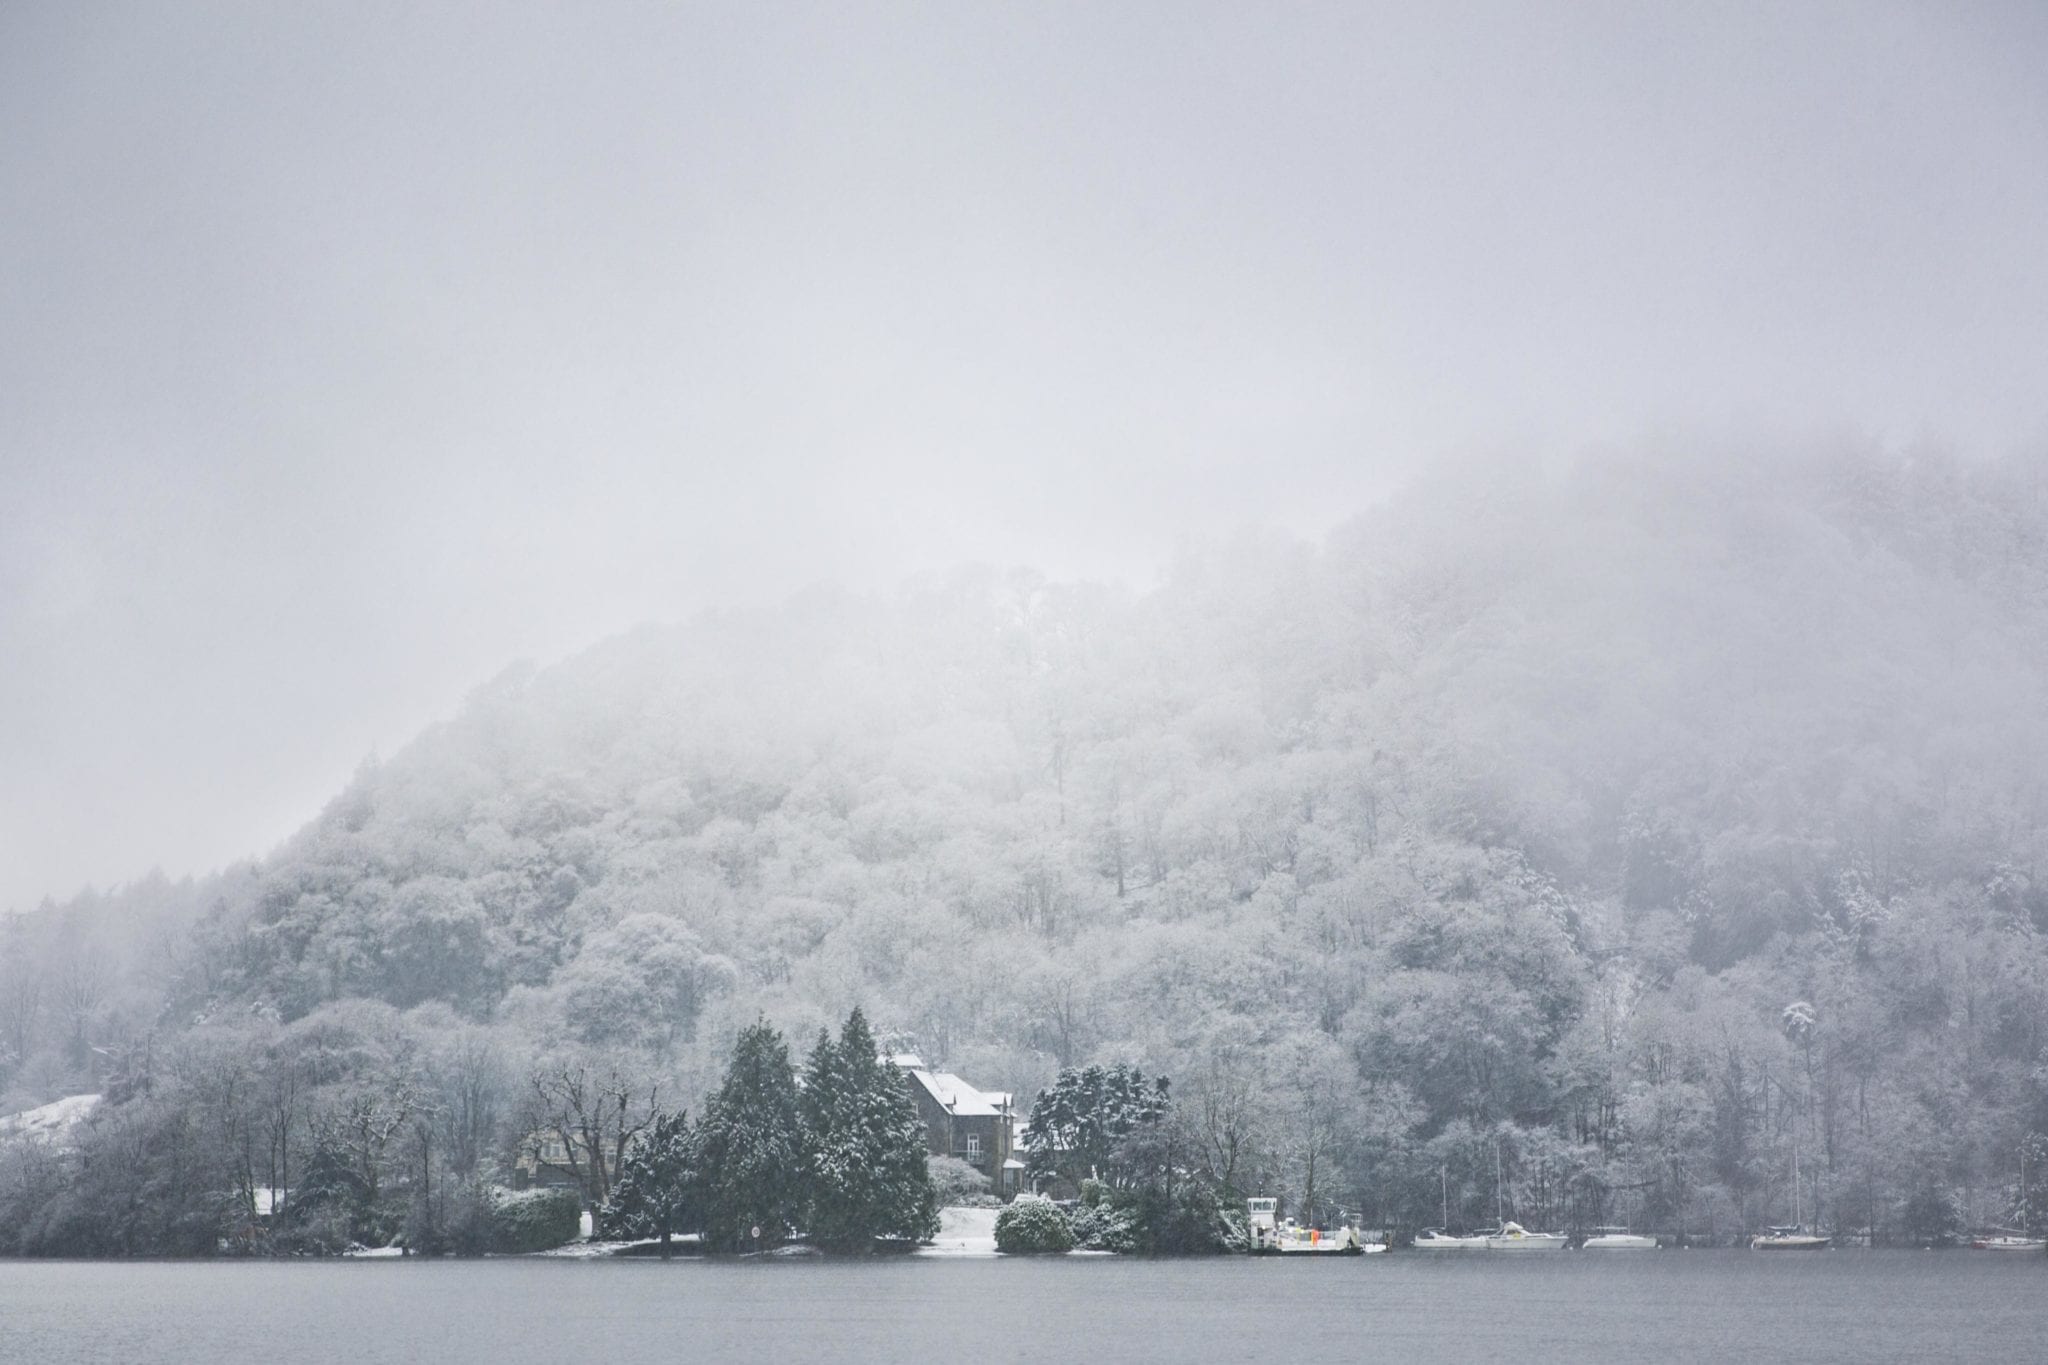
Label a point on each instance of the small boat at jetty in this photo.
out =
(1788, 1239)
(1617, 1239)
(1269, 1237)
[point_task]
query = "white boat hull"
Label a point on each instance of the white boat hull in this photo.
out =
(1295, 1241)
(1619, 1241)
(1527, 1241)
(1322, 1246)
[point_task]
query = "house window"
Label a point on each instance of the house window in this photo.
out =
(973, 1145)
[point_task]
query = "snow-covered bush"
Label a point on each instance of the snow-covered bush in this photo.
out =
(1102, 1227)
(1032, 1224)
(957, 1184)
(534, 1220)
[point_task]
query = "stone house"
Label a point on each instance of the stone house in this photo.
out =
(977, 1126)
(544, 1162)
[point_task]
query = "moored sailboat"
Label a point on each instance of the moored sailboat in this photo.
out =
(1515, 1237)
(1436, 1239)
(1793, 1237)
(1508, 1236)
(1790, 1238)
(1617, 1239)
(2014, 1239)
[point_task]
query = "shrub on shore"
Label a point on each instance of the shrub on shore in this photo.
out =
(957, 1184)
(1101, 1227)
(534, 1220)
(1032, 1225)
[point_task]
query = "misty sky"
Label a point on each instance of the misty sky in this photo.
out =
(350, 352)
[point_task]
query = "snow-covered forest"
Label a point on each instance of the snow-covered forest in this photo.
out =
(1657, 823)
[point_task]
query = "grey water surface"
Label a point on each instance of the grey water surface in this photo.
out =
(1666, 1305)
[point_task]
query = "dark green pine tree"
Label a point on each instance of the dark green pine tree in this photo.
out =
(869, 1177)
(751, 1154)
(657, 1187)
(1081, 1123)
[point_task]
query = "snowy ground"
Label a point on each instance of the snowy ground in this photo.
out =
(51, 1122)
(963, 1232)
(583, 1251)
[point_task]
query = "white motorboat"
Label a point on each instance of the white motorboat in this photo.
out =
(1515, 1237)
(1617, 1239)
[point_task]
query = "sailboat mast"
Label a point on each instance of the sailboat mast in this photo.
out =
(1498, 1219)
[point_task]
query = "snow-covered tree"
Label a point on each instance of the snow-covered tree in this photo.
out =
(1081, 1121)
(658, 1183)
(750, 1151)
(869, 1178)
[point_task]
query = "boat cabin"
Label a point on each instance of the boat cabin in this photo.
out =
(1261, 1217)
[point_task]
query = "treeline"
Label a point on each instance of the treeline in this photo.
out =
(839, 1159)
(359, 1127)
(1133, 1163)
(1641, 830)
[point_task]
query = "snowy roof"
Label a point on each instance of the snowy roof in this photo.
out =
(908, 1061)
(968, 1100)
(959, 1098)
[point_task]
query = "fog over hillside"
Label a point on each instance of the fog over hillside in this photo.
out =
(350, 351)
(1658, 817)
(1435, 612)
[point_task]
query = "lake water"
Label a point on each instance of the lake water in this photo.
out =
(1664, 1305)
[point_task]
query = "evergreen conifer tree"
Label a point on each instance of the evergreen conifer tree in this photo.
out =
(1081, 1123)
(658, 1186)
(751, 1154)
(870, 1178)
